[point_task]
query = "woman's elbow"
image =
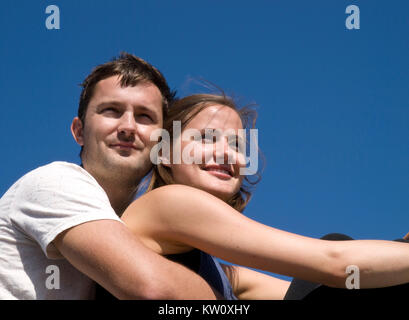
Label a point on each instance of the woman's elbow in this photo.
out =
(337, 271)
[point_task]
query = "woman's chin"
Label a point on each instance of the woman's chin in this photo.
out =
(222, 195)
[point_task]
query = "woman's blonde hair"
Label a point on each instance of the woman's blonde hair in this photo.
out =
(184, 110)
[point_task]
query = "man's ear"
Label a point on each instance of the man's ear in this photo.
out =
(77, 131)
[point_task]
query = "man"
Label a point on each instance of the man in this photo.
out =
(59, 224)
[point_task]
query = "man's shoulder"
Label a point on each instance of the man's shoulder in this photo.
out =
(57, 166)
(57, 169)
(58, 175)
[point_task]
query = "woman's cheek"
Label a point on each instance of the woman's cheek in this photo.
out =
(207, 153)
(241, 161)
(236, 158)
(191, 153)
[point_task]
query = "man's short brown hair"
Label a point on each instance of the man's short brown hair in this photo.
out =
(132, 71)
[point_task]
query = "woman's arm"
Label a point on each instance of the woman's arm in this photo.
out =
(176, 218)
(249, 284)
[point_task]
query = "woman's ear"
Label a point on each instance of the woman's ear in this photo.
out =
(165, 161)
(164, 157)
(77, 131)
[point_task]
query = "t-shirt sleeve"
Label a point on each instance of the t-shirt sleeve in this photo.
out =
(54, 198)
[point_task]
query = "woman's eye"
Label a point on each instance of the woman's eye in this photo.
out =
(234, 144)
(208, 139)
(237, 145)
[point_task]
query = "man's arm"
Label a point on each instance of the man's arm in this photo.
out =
(107, 252)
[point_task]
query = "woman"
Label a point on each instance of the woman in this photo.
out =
(198, 205)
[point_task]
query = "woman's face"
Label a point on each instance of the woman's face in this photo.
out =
(217, 161)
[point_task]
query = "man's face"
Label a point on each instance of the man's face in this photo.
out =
(118, 125)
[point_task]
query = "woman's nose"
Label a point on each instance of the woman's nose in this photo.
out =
(221, 151)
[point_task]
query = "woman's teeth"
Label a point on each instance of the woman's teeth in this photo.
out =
(219, 170)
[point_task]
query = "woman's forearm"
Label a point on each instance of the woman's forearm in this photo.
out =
(182, 215)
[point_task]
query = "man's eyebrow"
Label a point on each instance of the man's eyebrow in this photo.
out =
(144, 108)
(120, 104)
(109, 103)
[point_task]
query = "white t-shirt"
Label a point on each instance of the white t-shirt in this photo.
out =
(38, 207)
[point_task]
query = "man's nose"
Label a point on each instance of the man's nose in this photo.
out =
(127, 124)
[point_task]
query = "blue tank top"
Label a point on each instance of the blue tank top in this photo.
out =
(209, 268)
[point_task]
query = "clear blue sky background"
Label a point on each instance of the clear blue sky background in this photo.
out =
(333, 103)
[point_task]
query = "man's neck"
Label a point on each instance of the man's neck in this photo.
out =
(120, 196)
(120, 192)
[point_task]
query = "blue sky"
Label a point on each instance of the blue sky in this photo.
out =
(333, 103)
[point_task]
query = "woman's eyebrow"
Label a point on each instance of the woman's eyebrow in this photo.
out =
(209, 130)
(229, 136)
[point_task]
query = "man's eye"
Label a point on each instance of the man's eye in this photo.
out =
(110, 110)
(145, 117)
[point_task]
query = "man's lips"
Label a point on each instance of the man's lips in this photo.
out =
(123, 145)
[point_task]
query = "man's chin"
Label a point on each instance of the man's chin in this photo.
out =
(131, 168)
